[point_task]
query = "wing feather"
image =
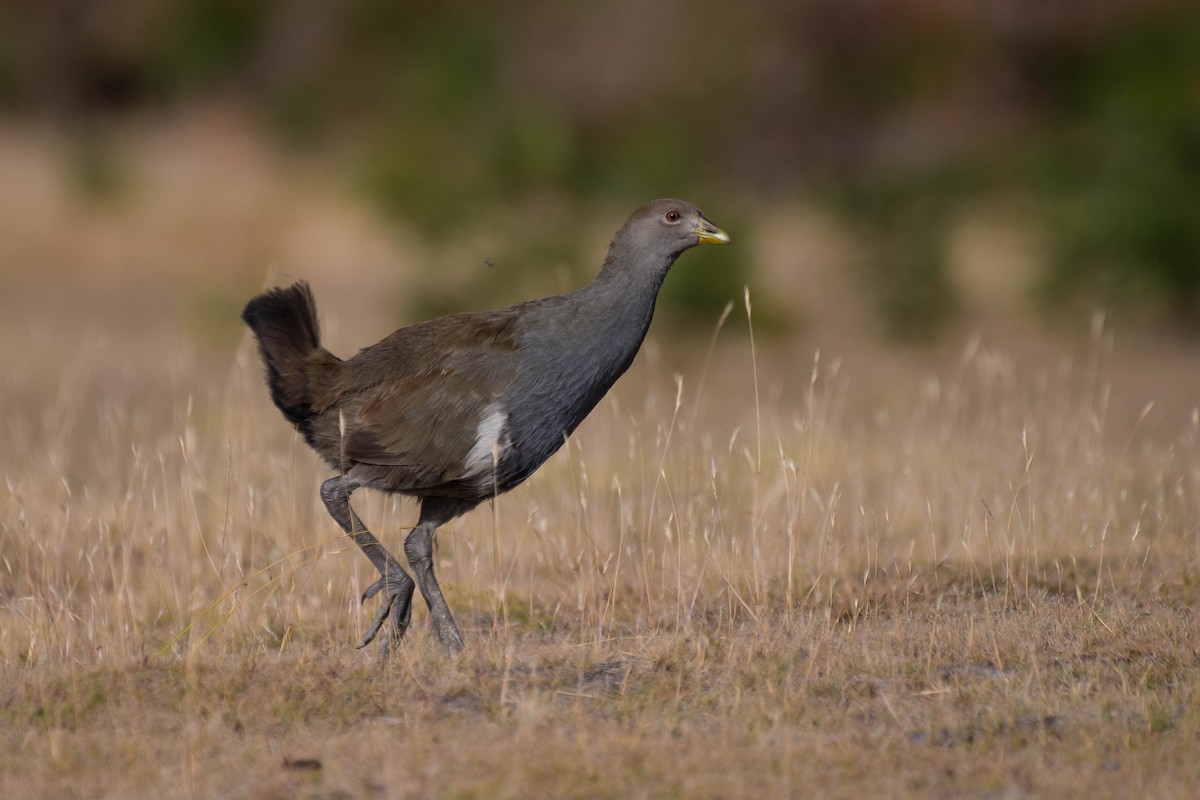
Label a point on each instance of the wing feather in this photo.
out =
(414, 401)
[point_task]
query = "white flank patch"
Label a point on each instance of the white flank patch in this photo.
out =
(489, 445)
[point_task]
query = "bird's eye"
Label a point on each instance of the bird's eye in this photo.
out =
(672, 216)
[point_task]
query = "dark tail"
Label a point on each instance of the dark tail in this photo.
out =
(285, 323)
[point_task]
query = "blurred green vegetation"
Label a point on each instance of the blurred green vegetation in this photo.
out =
(96, 169)
(1118, 174)
(895, 115)
(904, 221)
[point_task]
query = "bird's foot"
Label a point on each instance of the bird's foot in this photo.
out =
(447, 631)
(396, 603)
(451, 639)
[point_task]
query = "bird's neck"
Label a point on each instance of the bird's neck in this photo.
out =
(628, 291)
(632, 276)
(615, 310)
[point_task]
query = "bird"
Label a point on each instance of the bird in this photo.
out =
(462, 408)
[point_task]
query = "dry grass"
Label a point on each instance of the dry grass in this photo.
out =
(982, 585)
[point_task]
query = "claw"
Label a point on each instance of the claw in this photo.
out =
(396, 591)
(385, 608)
(371, 591)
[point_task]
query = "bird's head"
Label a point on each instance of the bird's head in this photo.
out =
(662, 229)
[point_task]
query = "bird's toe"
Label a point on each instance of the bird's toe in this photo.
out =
(372, 590)
(396, 603)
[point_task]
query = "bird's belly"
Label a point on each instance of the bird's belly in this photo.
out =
(519, 464)
(535, 438)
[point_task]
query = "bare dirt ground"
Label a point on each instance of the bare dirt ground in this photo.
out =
(968, 572)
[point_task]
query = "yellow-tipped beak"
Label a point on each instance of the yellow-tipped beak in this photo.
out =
(708, 233)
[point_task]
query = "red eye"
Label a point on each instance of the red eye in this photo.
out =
(672, 216)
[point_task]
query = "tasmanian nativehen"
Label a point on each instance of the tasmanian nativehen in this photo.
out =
(458, 409)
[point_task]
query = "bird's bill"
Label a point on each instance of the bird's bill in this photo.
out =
(708, 233)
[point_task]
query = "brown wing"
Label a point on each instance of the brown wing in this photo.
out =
(414, 401)
(428, 420)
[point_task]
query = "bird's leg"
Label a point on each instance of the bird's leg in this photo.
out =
(419, 549)
(395, 583)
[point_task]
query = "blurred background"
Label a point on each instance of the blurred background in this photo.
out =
(898, 175)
